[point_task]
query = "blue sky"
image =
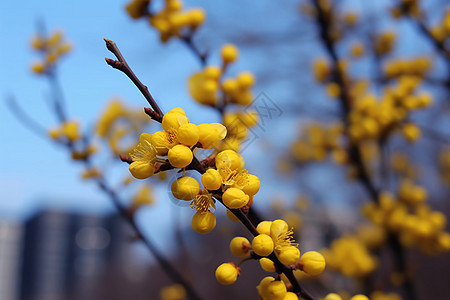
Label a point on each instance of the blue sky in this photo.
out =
(36, 173)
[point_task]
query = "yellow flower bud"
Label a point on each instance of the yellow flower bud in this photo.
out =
(54, 133)
(70, 130)
(263, 284)
(160, 141)
(173, 120)
(234, 198)
(212, 180)
(411, 132)
(212, 72)
(180, 156)
(313, 263)
(253, 185)
(290, 296)
(264, 227)
(229, 86)
(196, 17)
(288, 255)
(187, 134)
(262, 245)
(240, 246)
(359, 297)
(38, 68)
(227, 273)
(278, 227)
(245, 80)
(267, 265)
(332, 296)
(185, 188)
(229, 53)
(229, 159)
(276, 290)
(203, 222)
(211, 134)
(141, 169)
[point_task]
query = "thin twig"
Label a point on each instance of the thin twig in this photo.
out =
(123, 66)
(187, 39)
(26, 120)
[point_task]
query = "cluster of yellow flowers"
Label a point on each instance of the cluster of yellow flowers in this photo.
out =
(238, 125)
(415, 67)
(68, 132)
(208, 87)
(275, 239)
(171, 21)
(414, 221)
(52, 48)
(317, 141)
(350, 256)
(175, 141)
(372, 119)
(117, 123)
(228, 178)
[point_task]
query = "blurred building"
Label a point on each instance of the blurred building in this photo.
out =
(10, 259)
(65, 254)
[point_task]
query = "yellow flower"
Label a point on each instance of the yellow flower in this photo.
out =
(271, 289)
(240, 246)
(359, 297)
(234, 198)
(180, 156)
(185, 188)
(288, 255)
(290, 296)
(411, 132)
(229, 159)
(267, 265)
(144, 157)
(203, 201)
(173, 292)
(211, 179)
(211, 134)
(229, 53)
(253, 185)
(71, 130)
(312, 263)
(332, 296)
(203, 222)
(264, 227)
(227, 273)
(245, 80)
(262, 245)
(143, 197)
(188, 134)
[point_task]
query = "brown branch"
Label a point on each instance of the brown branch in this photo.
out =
(355, 153)
(123, 66)
(187, 39)
(346, 101)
